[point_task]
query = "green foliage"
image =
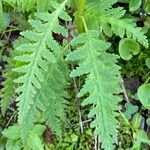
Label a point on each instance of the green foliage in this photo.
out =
(147, 7)
(144, 95)
(134, 5)
(148, 121)
(101, 84)
(37, 70)
(140, 135)
(148, 62)
(14, 142)
(111, 20)
(48, 96)
(27, 5)
(130, 110)
(136, 122)
(3, 17)
(127, 48)
(36, 59)
(8, 92)
(141, 138)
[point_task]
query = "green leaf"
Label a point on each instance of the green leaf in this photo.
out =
(130, 109)
(7, 93)
(134, 5)
(144, 95)
(36, 56)
(13, 145)
(102, 84)
(4, 21)
(148, 62)
(34, 142)
(127, 48)
(136, 122)
(3, 18)
(2, 143)
(27, 5)
(147, 7)
(148, 121)
(106, 29)
(102, 12)
(39, 129)
(12, 132)
(74, 138)
(136, 146)
(142, 137)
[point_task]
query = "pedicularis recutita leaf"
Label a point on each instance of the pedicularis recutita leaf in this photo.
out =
(37, 76)
(37, 57)
(102, 84)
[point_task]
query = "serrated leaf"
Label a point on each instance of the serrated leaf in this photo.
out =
(101, 12)
(127, 48)
(3, 18)
(13, 145)
(36, 56)
(142, 137)
(144, 95)
(13, 132)
(39, 129)
(4, 21)
(34, 142)
(101, 84)
(107, 29)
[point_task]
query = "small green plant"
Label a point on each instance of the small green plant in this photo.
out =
(38, 76)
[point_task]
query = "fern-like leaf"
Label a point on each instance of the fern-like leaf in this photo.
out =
(27, 5)
(49, 102)
(8, 91)
(110, 19)
(51, 96)
(36, 57)
(102, 84)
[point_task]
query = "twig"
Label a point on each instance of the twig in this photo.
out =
(76, 87)
(83, 122)
(98, 145)
(86, 121)
(95, 147)
(10, 119)
(78, 100)
(143, 123)
(125, 93)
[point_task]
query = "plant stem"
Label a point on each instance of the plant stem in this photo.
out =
(84, 24)
(80, 4)
(1, 13)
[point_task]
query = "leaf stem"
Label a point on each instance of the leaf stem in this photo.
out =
(84, 24)
(1, 13)
(147, 80)
(80, 11)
